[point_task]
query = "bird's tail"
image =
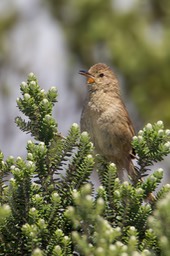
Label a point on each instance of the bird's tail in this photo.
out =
(132, 172)
(135, 177)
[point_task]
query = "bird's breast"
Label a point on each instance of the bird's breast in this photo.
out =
(104, 119)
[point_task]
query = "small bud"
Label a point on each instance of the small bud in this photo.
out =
(48, 117)
(99, 251)
(29, 142)
(59, 232)
(45, 101)
(84, 134)
(24, 84)
(19, 158)
(37, 252)
(126, 183)
(124, 247)
(152, 178)
(30, 156)
(113, 165)
(160, 123)
(140, 138)
(100, 201)
(119, 244)
(25, 226)
(12, 167)
(117, 180)
(101, 188)
(87, 188)
(37, 196)
(41, 222)
(75, 194)
(167, 145)
(57, 250)
(3, 163)
(117, 193)
(160, 132)
(32, 83)
(146, 252)
(53, 89)
(91, 144)
(27, 96)
(118, 229)
(75, 125)
(167, 186)
(89, 156)
(31, 75)
(140, 133)
(133, 238)
(150, 230)
(139, 191)
(167, 132)
(42, 147)
(89, 198)
(124, 254)
(30, 163)
(160, 170)
(55, 197)
(32, 234)
(148, 126)
(6, 207)
(16, 169)
(5, 211)
(70, 209)
(135, 138)
(132, 228)
(33, 209)
(42, 144)
(112, 248)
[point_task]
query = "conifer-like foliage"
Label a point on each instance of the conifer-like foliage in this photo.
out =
(49, 206)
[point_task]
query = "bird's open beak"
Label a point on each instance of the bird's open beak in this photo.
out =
(90, 78)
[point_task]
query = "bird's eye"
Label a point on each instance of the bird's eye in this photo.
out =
(101, 75)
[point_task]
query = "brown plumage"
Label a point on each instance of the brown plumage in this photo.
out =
(106, 119)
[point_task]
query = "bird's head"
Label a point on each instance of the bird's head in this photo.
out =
(100, 76)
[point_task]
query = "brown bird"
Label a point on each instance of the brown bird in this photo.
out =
(106, 119)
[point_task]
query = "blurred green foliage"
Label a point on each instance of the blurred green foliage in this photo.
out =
(135, 41)
(7, 22)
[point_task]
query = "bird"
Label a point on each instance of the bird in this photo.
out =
(106, 119)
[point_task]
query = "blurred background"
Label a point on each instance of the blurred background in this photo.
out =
(55, 39)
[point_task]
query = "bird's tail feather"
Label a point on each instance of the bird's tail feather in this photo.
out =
(135, 176)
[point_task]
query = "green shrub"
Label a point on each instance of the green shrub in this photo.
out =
(50, 206)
